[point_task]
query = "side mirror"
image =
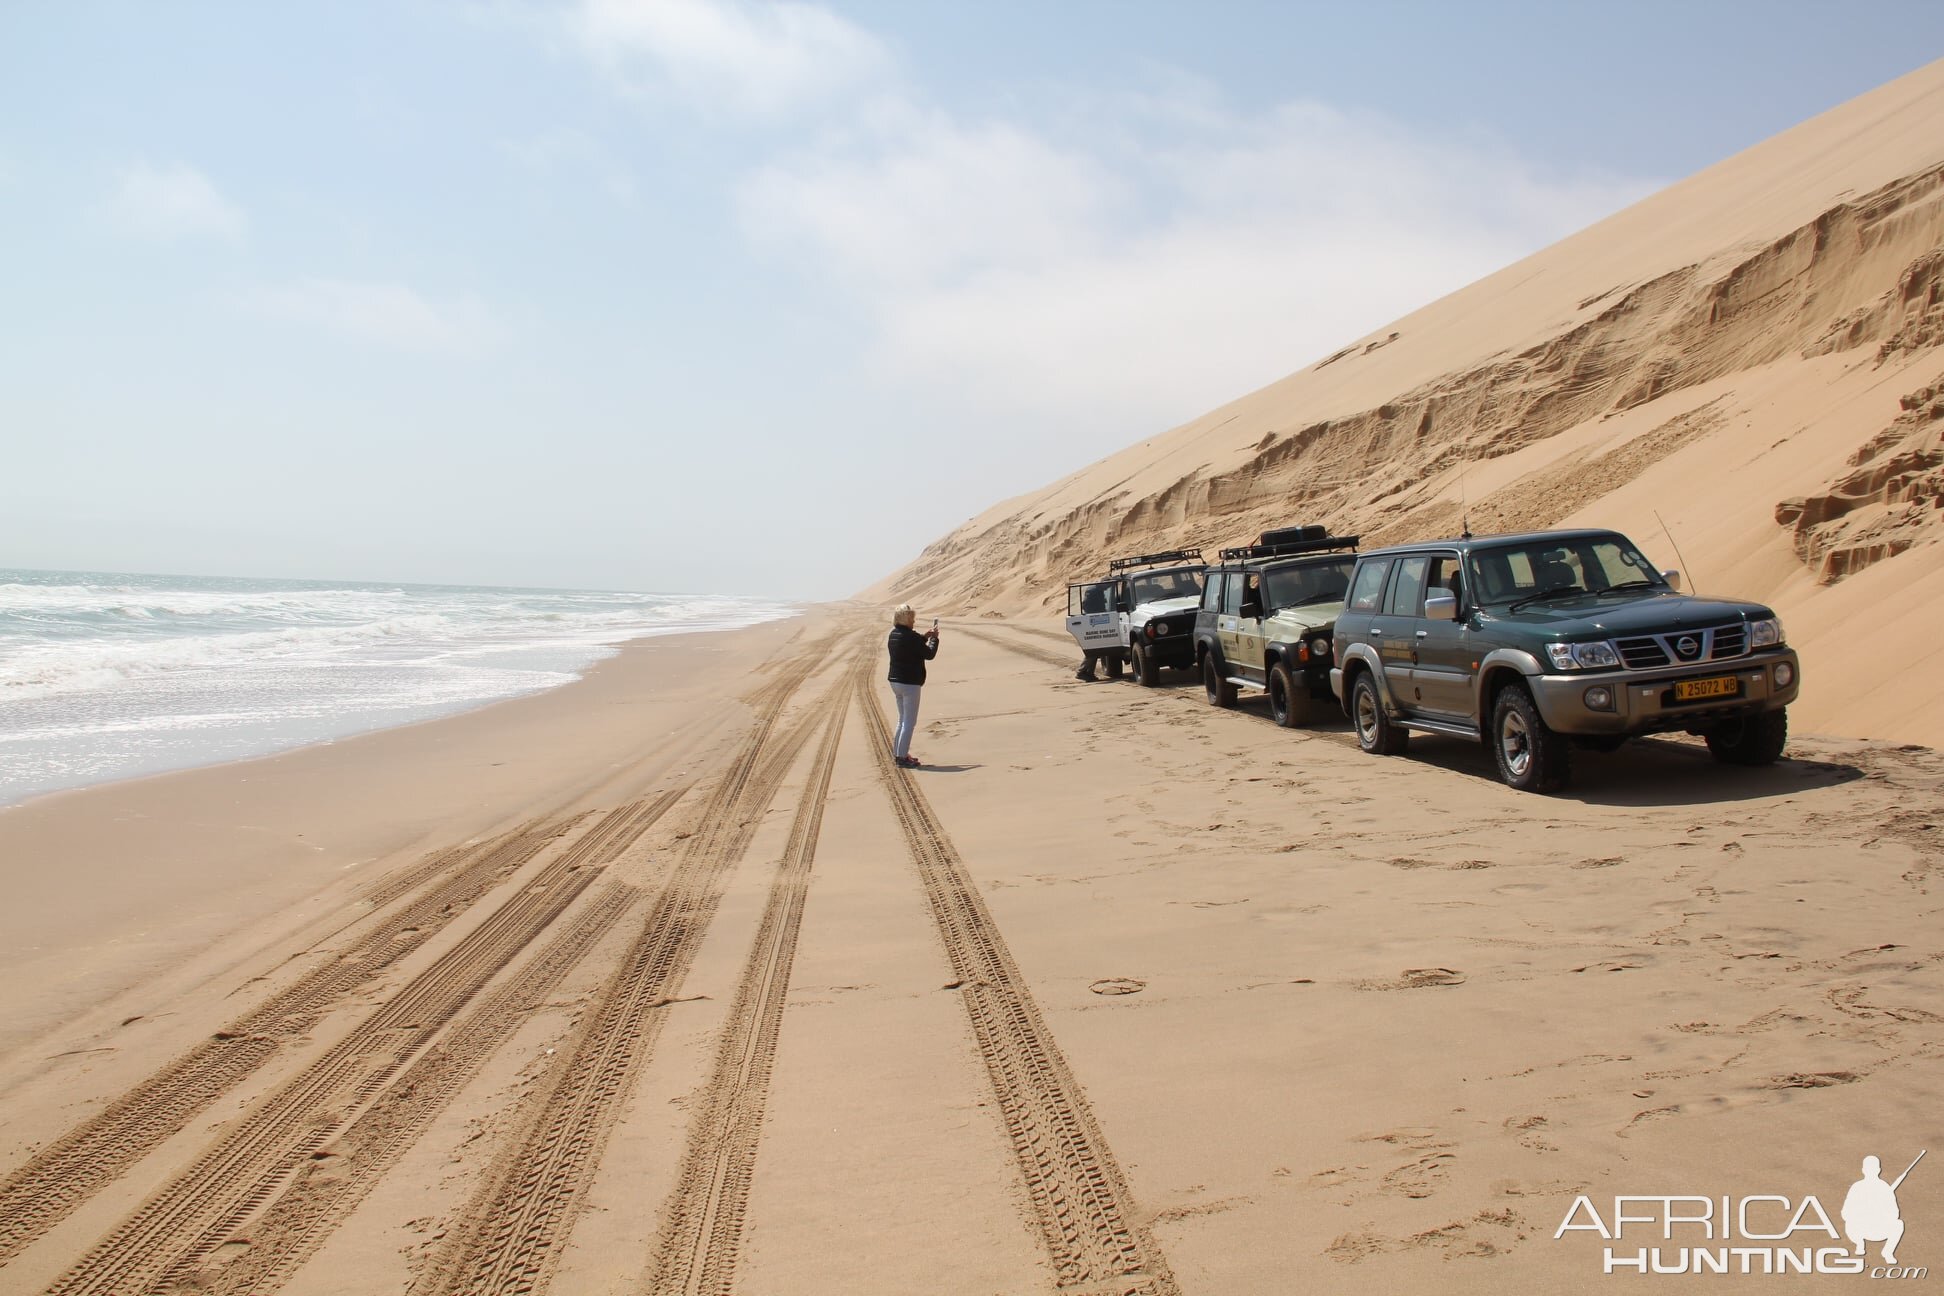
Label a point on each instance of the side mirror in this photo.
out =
(1673, 579)
(1441, 605)
(1251, 607)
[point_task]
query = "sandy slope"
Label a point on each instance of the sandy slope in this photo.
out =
(1750, 357)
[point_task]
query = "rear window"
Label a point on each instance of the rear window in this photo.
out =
(1232, 595)
(1212, 592)
(1368, 585)
(1407, 591)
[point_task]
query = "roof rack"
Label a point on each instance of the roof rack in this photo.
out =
(1172, 555)
(1286, 548)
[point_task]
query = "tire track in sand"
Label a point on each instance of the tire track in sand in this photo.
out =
(1079, 1196)
(60, 1177)
(278, 1242)
(702, 1220)
(984, 633)
(509, 1237)
(170, 1234)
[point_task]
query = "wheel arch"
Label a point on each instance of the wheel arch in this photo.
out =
(1359, 660)
(1506, 666)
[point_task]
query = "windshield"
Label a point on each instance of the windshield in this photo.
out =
(1582, 565)
(1323, 582)
(1181, 582)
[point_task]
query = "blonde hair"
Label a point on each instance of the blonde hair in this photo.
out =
(904, 614)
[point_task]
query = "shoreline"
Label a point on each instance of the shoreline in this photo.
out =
(614, 652)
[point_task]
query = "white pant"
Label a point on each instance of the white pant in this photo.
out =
(907, 695)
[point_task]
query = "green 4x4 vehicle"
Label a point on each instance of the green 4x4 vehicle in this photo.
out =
(1266, 614)
(1534, 643)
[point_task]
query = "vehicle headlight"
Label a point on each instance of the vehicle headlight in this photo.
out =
(1765, 633)
(1320, 646)
(1160, 627)
(1586, 656)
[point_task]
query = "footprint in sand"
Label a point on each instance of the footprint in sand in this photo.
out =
(1810, 1080)
(1422, 1177)
(1624, 964)
(1417, 979)
(1118, 986)
(1526, 1130)
(1652, 1114)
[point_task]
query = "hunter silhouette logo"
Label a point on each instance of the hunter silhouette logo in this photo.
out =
(1760, 1233)
(1870, 1211)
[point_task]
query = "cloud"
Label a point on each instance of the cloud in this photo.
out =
(1146, 258)
(569, 152)
(387, 314)
(171, 202)
(727, 56)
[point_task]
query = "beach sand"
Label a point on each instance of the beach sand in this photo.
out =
(667, 978)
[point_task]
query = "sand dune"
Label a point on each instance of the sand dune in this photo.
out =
(1743, 370)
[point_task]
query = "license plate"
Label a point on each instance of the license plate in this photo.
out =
(1695, 690)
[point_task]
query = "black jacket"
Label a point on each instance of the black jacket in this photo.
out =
(909, 653)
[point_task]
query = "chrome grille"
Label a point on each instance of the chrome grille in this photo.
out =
(1683, 647)
(1730, 641)
(1643, 653)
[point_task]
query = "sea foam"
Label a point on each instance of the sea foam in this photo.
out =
(107, 675)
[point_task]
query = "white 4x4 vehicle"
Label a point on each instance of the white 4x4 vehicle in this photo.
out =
(1142, 614)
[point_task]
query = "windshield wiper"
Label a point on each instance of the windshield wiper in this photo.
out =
(1544, 594)
(1631, 585)
(1315, 598)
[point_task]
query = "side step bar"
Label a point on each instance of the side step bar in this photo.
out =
(1449, 728)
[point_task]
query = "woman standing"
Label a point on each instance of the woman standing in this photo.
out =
(909, 653)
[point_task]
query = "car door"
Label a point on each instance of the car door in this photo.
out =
(1208, 617)
(1231, 619)
(1445, 664)
(1247, 658)
(1394, 629)
(1091, 618)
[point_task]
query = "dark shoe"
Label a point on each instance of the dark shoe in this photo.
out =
(1082, 675)
(908, 762)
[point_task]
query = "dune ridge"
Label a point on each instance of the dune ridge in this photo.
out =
(1744, 367)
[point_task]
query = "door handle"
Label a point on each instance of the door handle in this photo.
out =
(1375, 631)
(1422, 633)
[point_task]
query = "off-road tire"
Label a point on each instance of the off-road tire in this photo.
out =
(1215, 683)
(1375, 732)
(1529, 756)
(1114, 665)
(1289, 698)
(1146, 670)
(1751, 740)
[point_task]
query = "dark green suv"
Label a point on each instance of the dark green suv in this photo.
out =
(1535, 643)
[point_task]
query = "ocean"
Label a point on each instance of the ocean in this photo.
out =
(108, 676)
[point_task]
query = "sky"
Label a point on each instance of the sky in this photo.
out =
(761, 298)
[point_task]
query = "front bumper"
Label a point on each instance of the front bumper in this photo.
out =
(1173, 649)
(1643, 701)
